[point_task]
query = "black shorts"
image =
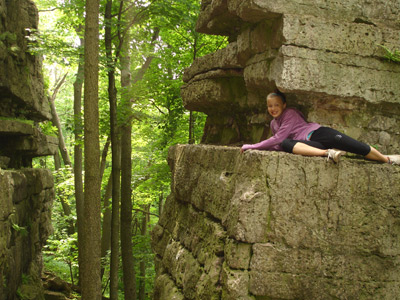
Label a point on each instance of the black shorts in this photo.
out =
(328, 138)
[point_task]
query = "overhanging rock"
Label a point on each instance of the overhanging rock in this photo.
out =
(271, 225)
(328, 57)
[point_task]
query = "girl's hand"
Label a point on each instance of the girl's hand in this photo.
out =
(244, 148)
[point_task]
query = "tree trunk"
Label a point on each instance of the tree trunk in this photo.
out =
(106, 232)
(191, 116)
(128, 264)
(78, 167)
(63, 149)
(142, 282)
(160, 203)
(104, 157)
(90, 242)
(56, 122)
(116, 164)
(191, 128)
(57, 161)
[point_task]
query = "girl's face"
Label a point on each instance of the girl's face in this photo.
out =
(275, 106)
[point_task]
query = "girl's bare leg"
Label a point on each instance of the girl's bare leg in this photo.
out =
(376, 155)
(307, 150)
(304, 149)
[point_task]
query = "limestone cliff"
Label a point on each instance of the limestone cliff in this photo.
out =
(26, 194)
(271, 225)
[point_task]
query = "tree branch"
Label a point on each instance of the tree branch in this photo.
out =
(58, 85)
(145, 212)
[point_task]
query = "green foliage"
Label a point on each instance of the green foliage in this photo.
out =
(61, 248)
(20, 229)
(393, 56)
(56, 265)
(48, 128)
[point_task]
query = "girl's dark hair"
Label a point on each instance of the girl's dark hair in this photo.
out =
(278, 93)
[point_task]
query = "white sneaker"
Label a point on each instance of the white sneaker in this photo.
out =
(334, 155)
(394, 159)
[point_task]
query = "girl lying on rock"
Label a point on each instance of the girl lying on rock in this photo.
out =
(293, 134)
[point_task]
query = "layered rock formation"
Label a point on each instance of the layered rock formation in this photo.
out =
(326, 55)
(26, 194)
(271, 225)
(25, 223)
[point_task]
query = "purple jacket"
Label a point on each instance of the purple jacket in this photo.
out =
(291, 124)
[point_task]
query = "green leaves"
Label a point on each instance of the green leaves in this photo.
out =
(393, 56)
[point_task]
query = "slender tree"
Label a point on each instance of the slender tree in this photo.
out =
(78, 154)
(115, 150)
(128, 264)
(56, 121)
(90, 242)
(143, 231)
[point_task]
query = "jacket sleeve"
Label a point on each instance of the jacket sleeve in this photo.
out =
(274, 142)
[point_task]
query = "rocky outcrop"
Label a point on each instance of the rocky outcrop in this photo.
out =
(21, 80)
(26, 194)
(326, 55)
(272, 225)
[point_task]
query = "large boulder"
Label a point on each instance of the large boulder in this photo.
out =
(272, 225)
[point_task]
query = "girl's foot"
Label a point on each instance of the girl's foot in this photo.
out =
(334, 154)
(394, 159)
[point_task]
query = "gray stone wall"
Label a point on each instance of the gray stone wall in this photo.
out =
(327, 56)
(272, 225)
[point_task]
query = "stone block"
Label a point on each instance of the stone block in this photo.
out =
(199, 234)
(208, 286)
(212, 95)
(225, 59)
(211, 21)
(197, 188)
(235, 284)
(237, 255)
(165, 289)
(304, 70)
(351, 38)
(183, 267)
(292, 273)
(15, 128)
(6, 195)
